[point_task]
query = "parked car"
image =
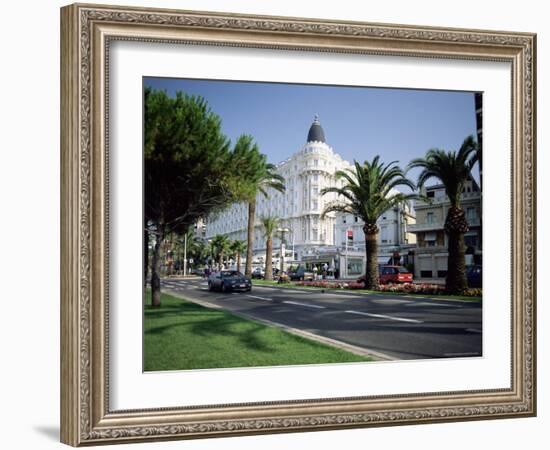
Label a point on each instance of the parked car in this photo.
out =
(301, 274)
(474, 274)
(391, 274)
(229, 280)
(258, 272)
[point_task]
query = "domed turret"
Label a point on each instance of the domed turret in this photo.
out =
(316, 132)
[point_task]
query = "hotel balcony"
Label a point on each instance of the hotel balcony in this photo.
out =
(418, 227)
(465, 196)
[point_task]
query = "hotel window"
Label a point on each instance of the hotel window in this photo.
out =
(430, 239)
(470, 214)
(315, 177)
(315, 162)
(430, 217)
(384, 234)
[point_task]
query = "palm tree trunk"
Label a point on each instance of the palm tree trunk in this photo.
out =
(250, 237)
(269, 259)
(238, 262)
(155, 268)
(220, 261)
(455, 226)
(371, 247)
(456, 281)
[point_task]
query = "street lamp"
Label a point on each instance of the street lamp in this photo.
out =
(185, 255)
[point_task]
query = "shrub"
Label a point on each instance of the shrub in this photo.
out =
(284, 278)
(410, 288)
(473, 292)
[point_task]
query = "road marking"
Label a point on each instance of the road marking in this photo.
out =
(473, 330)
(432, 304)
(382, 316)
(396, 301)
(462, 354)
(259, 298)
(304, 304)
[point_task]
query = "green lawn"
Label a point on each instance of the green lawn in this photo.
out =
(183, 335)
(292, 285)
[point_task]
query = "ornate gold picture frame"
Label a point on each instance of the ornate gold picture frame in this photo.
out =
(87, 32)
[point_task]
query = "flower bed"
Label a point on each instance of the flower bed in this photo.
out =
(327, 284)
(410, 288)
(404, 288)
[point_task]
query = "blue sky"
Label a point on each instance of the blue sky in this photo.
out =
(359, 122)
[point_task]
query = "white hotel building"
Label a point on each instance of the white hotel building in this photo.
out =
(311, 238)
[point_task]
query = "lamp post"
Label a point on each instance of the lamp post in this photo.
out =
(185, 255)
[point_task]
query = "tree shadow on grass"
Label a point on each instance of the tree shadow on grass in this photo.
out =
(209, 323)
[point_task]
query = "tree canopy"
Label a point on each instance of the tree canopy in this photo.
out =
(452, 168)
(188, 167)
(188, 161)
(369, 190)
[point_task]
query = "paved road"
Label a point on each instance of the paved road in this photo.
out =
(396, 326)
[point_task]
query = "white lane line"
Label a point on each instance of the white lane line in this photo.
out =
(473, 330)
(396, 301)
(259, 298)
(382, 316)
(432, 304)
(304, 304)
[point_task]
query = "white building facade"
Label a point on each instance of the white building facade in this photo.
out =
(306, 173)
(395, 239)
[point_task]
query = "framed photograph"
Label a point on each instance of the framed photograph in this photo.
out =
(276, 224)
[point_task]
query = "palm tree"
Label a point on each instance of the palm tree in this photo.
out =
(258, 176)
(220, 246)
(368, 191)
(453, 169)
(270, 225)
(238, 248)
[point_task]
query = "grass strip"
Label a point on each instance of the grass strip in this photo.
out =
(181, 335)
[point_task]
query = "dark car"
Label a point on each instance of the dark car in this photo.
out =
(474, 275)
(301, 274)
(391, 274)
(229, 280)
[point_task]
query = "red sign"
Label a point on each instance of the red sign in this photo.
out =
(349, 234)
